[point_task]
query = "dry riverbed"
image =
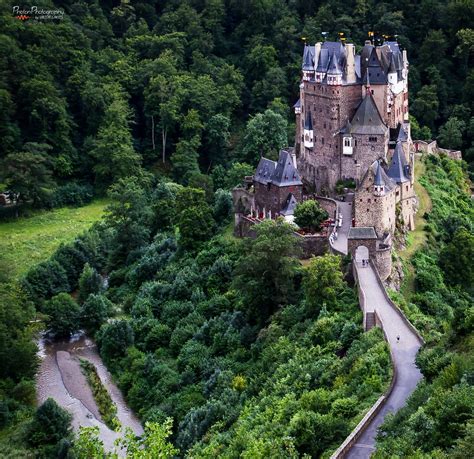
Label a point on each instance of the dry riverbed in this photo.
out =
(60, 377)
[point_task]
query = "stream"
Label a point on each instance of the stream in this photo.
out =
(60, 377)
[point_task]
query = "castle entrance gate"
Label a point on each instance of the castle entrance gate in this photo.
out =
(362, 253)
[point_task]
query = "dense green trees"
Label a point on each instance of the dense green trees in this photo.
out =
(266, 270)
(147, 83)
(436, 420)
(50, 428)
(309, 215)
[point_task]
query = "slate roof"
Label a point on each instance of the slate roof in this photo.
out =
(334, 68)
(362, 232)
(379, 181)
(372, 68)
(384, 178)
(285, 173)
(308, 122)
(280, 173)
(398, 134)
(367, 119)
(398, 167)
(297, 104)
(289, 205)
(265, 169)
(308, 58)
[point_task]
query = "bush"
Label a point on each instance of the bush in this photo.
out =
(50, 424)
(114, 338)
(89, 282)
(46, 280)
(72, 194)
(63, 314)
(95, 311)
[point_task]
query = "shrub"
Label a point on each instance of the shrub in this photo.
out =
(72, 194)
(46, 280)
(63, 314)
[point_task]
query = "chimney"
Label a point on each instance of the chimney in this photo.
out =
(405, 58)
(317, 51)
(350, 63)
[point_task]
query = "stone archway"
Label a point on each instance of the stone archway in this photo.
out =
(361, 253)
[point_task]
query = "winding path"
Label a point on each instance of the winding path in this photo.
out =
(403, 355)
(403, 351)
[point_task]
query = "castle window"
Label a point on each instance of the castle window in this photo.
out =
(361, 200)
(372, 139)
(322, 140)
(407, 187)
(368, 200)
(367, 210)
(324, 125)
(375, 200)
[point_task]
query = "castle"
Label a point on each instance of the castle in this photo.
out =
(353, 130)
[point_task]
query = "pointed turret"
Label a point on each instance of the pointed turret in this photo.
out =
(334, 74)
(308, 64)
(379, 182)
(398, 167)
(392, 71)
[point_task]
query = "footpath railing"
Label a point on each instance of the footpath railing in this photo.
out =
(364, 423)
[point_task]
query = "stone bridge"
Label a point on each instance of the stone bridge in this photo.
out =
(380, 310)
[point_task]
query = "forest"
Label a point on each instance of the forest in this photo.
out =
(222, 345)
(187, 89)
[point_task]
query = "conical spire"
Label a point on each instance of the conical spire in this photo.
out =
(397, 168)
(334, 66)
(379, 181)
(308, 63)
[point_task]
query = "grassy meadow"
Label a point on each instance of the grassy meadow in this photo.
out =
(30, 240)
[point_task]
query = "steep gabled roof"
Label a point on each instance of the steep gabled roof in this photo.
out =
(373, 170)
(289, 205)
(308, 59)
(285, 172)
(265, 169)
(297, 104)
(323, 61)
(375, 69)
(379, 181)
(333, 68)
(397, 168)
(308, 121)
(367, 119)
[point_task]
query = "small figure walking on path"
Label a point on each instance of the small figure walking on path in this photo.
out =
(398, 338)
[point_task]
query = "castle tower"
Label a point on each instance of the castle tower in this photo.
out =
(351, 76)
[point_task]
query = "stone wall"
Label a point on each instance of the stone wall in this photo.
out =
(331, 107)
(383, 261)
(242, 199)
(376, 211)
(272, 198)
(328, 204)
(315, 244)
(432, 148)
